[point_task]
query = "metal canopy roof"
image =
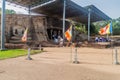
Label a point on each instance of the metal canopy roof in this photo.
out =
(95, 12)
(27, 3)
(54, 8)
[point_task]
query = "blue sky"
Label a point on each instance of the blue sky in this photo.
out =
(109, 7)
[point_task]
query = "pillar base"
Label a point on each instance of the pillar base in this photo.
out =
(2, 49)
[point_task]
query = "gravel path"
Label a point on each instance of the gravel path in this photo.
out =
(56, 64)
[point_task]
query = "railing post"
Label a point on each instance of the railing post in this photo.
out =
(75, 57)
(116, 57)
(29, 58)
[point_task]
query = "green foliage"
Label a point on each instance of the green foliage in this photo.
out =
(8, 11)
(80, 28)
(15, 53)
(116, 26)
(93, 30)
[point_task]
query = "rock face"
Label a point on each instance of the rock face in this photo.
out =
(83, 37)
(15, 26)
(40, 28)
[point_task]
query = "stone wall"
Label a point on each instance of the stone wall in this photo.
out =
(16, 25)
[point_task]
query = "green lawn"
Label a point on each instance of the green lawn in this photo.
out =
(15, 53)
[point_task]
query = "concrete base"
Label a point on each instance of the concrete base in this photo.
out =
(76, 62)
(3, 49)
(29, 58)
(117, 63)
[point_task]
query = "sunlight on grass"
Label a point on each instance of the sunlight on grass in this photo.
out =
(15, 53)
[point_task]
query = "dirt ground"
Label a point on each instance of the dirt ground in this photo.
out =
(56, 64)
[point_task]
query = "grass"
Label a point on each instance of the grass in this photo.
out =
(5, 54)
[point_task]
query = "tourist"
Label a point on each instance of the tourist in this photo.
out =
(96, 39)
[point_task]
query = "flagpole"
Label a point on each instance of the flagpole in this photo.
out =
(111, 31)
(29, 49)
(26, 28)
(107, 36)
(71, 43)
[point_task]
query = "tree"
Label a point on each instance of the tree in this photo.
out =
(80, 28)
(8, 11)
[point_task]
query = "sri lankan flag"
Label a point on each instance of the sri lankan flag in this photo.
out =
(24, 37)
(68, 33)
(106, 30)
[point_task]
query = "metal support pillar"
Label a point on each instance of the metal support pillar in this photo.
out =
(3, 25)
(89, 24)
(51, 31)
(64, 12)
